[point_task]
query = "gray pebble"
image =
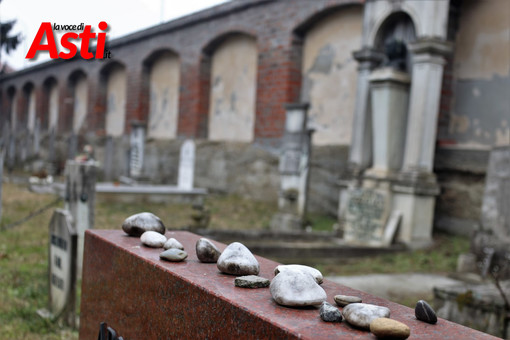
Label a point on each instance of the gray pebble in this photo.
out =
(251, 281)
(362, 314)
(330, 313)
(137, 224)
(174, 255)
(236, 259)
(344, 300)
(206, 251)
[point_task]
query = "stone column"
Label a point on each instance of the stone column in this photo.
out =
(360, 156)
(389, 101)
(415, 191)
(427, 72)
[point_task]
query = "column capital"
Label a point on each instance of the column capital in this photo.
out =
(368, 57)
(431, 46)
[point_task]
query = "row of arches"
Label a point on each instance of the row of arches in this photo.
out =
(328, 71)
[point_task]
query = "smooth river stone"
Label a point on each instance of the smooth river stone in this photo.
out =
(206, 251)
(362, 314)
(251, 281)
(344, 300)
(317, 275)
(137, 224)
(153, 239)
(384, 328)
(236, 259)
(295, 288)
(424, 312)
(173, 243)
(330, 313)
(174, 255)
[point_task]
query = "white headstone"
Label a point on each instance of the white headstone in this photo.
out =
(186, 165)
(62, 266)
(80, 200)
(136, 154)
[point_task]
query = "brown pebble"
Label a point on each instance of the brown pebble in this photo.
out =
(385, 328)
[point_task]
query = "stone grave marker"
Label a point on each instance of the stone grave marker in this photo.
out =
(2, 153)
(80, 199)
(366, 215)
(136, 150)
(73, 146)
(62, 266)
(37, 137)
(108, 158)
(186, 165)
(496, 198)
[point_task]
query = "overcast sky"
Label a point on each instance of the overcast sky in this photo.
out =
(122, 17)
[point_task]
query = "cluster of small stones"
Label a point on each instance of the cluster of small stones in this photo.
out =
(293, 285)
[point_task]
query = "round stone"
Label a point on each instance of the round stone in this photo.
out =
(174, 255)
(424, 312)
(317, 275)
(153, 239)
(344, 300)
(295, 288)
(330, 313)
(206, 251)
(385, 328)
(251, 281)
(362, 314)
(236, 259)
(137, 224)
(173, 243)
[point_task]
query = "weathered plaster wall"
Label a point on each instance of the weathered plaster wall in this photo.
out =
(481, 106)
(80, 103)
(31, 110)
(164, 97)
(53, 107)
(233, 89)
(116, 101)
(330, 74)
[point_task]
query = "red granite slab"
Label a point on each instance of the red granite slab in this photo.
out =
(126, 285)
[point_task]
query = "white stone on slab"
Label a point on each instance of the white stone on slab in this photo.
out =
(362, 314)
(137, 224)
(153, 239)
(236, 259)
(296, 288)
(173, 243)
(316, 274)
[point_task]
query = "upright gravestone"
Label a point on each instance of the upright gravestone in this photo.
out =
(186, 165)
(496, 199)
(62, 267)
(80, 199)
(294, 173)
(37, 137)
(2, 153)
(108, 158)
(136, 150)
(72, 146)
(366, 215)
